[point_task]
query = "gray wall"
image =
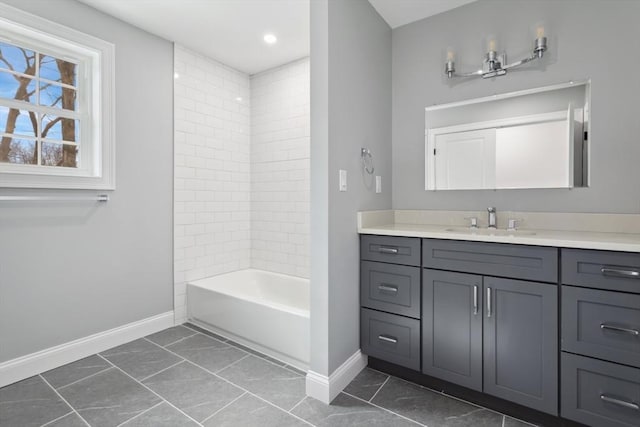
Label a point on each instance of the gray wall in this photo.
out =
(575, 28)
(68, 270)
(350, 109)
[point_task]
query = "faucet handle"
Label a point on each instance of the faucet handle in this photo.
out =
(491, 209)
(473, 221)
(513, 222)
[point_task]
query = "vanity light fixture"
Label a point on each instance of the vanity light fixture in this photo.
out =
(495, 64)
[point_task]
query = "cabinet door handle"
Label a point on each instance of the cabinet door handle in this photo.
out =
(388, 288)
(620, 329)
(623, 403)
(386, 250)
(619, 272)
(475, 299)
(488, 302)
(387, 339)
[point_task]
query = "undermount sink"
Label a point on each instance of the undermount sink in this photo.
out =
(490, 232)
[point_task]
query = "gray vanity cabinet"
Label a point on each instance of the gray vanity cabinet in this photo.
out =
(521, 342)
(493, 335)
(601, 337)
(390, 299)
(452, 327)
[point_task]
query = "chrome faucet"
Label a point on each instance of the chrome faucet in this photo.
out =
(492, 217)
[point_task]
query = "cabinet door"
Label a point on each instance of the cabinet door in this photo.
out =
(452, 327)
(521, 342)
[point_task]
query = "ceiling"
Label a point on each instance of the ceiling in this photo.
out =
(401, 12)
(232, 31)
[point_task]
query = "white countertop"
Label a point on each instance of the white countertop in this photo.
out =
(564, 239)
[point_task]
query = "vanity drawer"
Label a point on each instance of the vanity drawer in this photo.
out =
(390, 337)
(601, 324)
(601, 269)
(396, 250)
(389, 287)
(492, 259)
(600, 393)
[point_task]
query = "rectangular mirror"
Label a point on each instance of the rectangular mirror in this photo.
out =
(536, 138)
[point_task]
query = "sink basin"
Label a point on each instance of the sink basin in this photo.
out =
(490, 232)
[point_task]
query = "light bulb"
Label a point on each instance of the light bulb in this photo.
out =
(270, 38)
(450, 56)
(540, 32)
(492, 45)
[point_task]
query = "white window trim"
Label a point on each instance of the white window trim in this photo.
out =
(100, 173)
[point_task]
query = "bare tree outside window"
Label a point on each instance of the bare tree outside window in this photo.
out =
(33, 135)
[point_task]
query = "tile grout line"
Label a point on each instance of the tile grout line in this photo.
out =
(192, 327)
(452, 397)
(245, 390)
(260, 398)
(57, 419)
(225, 406)
(143, 412)
(223, 340)
(161, 370)
(442, 393)
(386, 410)
(64, 400)
(156, 394)
(184, 358)
(260, 355)
(176, 341)
(296, 405)
(82, 379)
(379, 388)
(469, 403)
(233, 363)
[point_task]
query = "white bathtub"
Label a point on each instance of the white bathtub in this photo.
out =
(266, 311)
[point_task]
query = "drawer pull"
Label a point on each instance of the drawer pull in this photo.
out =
(385, 250)
(488, 302)
(388, 288)
(619, 402)
(475, 300)
(620, 329)
(617, 272)
(387, 339)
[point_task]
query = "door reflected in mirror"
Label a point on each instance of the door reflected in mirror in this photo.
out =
(536, 138)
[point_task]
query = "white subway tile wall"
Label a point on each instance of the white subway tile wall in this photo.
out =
(211, 176)
(280, 169)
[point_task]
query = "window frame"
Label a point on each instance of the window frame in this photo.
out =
(95, 85)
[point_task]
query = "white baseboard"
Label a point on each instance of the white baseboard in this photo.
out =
(325, 389)
(35, 363)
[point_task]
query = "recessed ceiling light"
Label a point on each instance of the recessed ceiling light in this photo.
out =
(239, 99)
(176, 75)
(270, 38)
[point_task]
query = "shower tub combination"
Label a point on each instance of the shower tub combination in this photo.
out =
(268, 312)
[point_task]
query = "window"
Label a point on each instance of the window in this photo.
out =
(56, 105)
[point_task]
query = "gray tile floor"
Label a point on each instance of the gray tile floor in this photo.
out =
(185, 376)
